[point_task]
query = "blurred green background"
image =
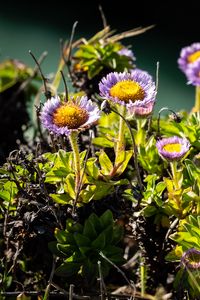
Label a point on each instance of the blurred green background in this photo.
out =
(39, 26)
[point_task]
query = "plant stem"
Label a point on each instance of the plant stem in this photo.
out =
(196, 107)
(73, 138)
(120, 147)
(134, 148)
(173, 165)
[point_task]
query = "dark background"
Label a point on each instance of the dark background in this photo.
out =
(38, 26)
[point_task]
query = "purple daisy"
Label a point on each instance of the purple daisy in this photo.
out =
(173, 148)
(127, 52)
(134, 89)
(191, 259)
(62, 118)
(193, 73)
(188, 56)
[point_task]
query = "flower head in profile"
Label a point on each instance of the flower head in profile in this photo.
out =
(127, 52)
(191, 259)
(188, 56)
(133, 90)
(62, 118)
(173, 148)
(193, 73)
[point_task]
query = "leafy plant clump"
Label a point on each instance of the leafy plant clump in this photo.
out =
(99, 196)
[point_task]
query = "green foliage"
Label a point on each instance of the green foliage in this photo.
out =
(187, 237)
(93, 57)
(79, 246)
(11, 72)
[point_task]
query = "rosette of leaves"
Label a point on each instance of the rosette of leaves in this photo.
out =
(81, 247)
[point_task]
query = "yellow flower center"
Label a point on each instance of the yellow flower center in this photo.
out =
(194, 56)
(176, 147)
(70, 115)
(127, 90)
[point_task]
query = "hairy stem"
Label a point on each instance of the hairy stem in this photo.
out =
(196, 107)
(121, 140)
(73, 138)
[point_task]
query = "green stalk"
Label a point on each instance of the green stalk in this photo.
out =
(196, 107)
(173, 165)
(143, 277)
(194, 280)
(120, 147)
(73, 138)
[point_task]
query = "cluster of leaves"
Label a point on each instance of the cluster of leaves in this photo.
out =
(94, 56)
(83, 246)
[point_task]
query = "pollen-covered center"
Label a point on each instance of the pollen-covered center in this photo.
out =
(194, 56)
(127, 90)
(70, 115)
(176, 147)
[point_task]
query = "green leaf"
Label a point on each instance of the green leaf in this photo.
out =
(106, 218)
(53, 248)
(100, 242)
(68, 269)
(11, 72)
(94, 70)
(117, 234)
(70, 185)
(87, 194)
(61, 198)
(84, 250)
(8, 191)
(101, 189)
(96, 222)
(73, 227)
(115, 254)
(108, 232)
(89, 229)
(91, 168)
(102, 142)
(67, 250)
(90, 270)
(123, 160)
(82, 240)
(61, 235)
(105, 163)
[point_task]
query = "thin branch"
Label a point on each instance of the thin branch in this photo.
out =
(47, 93)
(101, 282)
(47, 291)
(70, 41)
(71, 291)
(129, 33)
(157, 75)
(175, 115)
(103, 17)
(121, 272)
(65, 85)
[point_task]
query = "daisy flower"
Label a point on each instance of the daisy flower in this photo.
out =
(173, 148)
(193, 73)
(133, 90)
(188, 56)
(63, 118)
